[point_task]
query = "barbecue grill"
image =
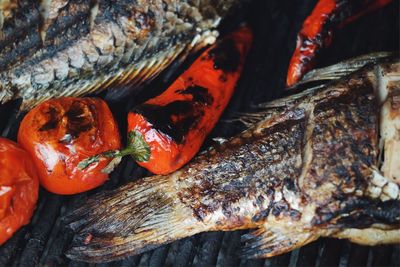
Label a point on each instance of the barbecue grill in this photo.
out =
(275, 24)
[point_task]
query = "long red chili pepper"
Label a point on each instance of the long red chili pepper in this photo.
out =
(173, 125)
(318, 28)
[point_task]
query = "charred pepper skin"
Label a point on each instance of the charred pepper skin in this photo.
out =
(175, 123)
(59, 133)
(19, 188)
(318, 30)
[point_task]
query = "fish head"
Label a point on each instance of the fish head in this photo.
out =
(388, 94)
(361, 197)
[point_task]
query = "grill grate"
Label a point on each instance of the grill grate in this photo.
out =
(275, 25)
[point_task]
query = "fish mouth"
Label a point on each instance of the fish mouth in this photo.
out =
(364, 213)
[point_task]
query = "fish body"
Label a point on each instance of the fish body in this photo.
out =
(312, 167)
(55, 48)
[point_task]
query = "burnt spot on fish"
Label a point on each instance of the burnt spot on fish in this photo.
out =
(360, 213)
(289, 184)
(241, 174)
(344, 139)
(295, 215)
(385, 212)
(279, 208)
(200, 212)
(226, 56)
(177, 118)
(32, 32)
(261, 216)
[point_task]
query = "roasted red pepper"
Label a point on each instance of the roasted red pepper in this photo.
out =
(175, 123)
(60, 133)
(165, 132)
(19, 187)
(318, 29)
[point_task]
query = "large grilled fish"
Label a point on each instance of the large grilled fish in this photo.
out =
(52, 48)
(324, 162)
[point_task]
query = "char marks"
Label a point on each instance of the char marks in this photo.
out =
(225, 178)
(226, 56)
(178, 117)
(20, 28)
(81, 118)
(78, 117)
(61, 27)
(53, 118)
(344, 146)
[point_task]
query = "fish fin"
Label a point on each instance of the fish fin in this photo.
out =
(137, 76)
(130, 220)
(116, 86)
(262, 243)
(307, 86)
(270, 109)
(248, 119)
(370, 236)
(343, 68)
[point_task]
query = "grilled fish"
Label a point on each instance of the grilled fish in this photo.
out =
(324, 162)
(53, 48)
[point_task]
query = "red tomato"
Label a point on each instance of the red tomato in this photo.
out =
(19, 186)
(60, 133)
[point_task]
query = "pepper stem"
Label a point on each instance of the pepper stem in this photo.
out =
(137, 148)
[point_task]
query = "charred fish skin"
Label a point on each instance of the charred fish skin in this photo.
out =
(311, 168)
(308, 171)
(56, 48)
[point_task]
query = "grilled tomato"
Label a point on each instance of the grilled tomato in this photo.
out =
(59, 133)
(19, 186)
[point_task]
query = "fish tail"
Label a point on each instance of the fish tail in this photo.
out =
(268, 241)
(131, 220)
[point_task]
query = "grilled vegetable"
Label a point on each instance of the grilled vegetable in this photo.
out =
(69, 48)
(318, 30)
(19, 187)
(310, 168)
(60, 133)
(173, 125)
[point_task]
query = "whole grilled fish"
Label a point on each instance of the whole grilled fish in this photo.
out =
(324, 162)
(52, 48)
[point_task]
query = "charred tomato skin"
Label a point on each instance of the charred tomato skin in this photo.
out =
(59, 133)
(19, 188)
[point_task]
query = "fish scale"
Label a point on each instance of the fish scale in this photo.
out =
(74, 47)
